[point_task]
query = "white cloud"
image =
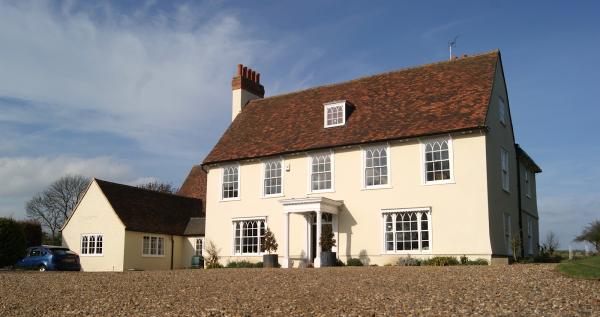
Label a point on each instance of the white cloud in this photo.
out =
(153, 78)
(22, 177)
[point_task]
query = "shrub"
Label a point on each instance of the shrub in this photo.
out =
(464, 260)
(270, 244)
(354, 262)
(441, 261)
(212, 256)
(327, 242)
(242, 264)
(12, 242)
(33, 232)
(339, 262)
(408, 261)
(476, 262)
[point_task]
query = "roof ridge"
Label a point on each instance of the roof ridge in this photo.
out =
(146, 189)
(496, 51)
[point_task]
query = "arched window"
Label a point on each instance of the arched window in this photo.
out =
(248, 236)
(272, 178)
(406, 231)
(99, 244)
(320, 176)
(92, 245)
(376, 167)
(84, 245)
(437, 161)
(230, 182)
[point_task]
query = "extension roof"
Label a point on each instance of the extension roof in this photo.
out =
(431, 99)
(145, 210)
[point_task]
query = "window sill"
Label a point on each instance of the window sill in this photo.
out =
(321, 191)
(444, 182)
(412, 252)
(152, 256)
(528, 196)
(377, 187)
(249, 254)
(507, 191)
(91, 255)
(229, 199)
(272, 196)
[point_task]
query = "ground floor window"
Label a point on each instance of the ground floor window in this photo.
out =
(529, 235)
(507, 233)
(153, 246)
(407, 230)
(92, 244)
(199, 246)
(248, 236)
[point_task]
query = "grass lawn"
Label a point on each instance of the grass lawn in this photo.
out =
(584, 268)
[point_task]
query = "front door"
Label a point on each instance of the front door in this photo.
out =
(326, 221)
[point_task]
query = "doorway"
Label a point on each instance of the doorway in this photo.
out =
(326, 222)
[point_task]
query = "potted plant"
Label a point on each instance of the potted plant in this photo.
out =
(269, 245)
(327, 242)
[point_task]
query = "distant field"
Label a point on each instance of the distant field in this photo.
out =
(583, 268)
(522, 289)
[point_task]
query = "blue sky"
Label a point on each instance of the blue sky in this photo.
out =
(132, 91)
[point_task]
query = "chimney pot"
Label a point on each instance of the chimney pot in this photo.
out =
(244, 72)
(253, 76)
(239, 69)
(258, 78)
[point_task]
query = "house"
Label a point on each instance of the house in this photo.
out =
(417, 162)
(117, 227)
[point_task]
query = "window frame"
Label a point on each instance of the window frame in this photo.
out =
(419, 211)
(158, 238)
(504, 170)
(385, 147)
(424, 143)
(234, 221)
(502, 111)
(196, 240)
(334, 104)
(310, 156)
(239, 182)
(529, 235)
(262, 178)
(96, 236)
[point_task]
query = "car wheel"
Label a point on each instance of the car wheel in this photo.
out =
(42, 268)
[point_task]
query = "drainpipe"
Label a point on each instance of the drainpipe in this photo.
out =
(520, 202)
(172, 250)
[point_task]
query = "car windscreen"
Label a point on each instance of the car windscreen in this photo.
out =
(61, 251)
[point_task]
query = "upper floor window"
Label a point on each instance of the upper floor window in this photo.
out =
(438, 165)
(249, 235)
(335, 114)
(527, 183)
(231, 183)
(504, 166)
(92, 244)
(501, 111)
(272, 181)
(153, 246)
(376, 167)
(321, 178)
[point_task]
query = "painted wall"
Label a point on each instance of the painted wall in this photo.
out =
(529, 210)
(459, 221)
(95, 215)
(134, 259)
(500, 201)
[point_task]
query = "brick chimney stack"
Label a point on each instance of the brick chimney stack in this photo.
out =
(245, 86)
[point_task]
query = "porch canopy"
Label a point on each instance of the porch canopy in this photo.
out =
(318, 205)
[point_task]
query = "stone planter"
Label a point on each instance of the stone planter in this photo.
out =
(328, 258)
(270, 260)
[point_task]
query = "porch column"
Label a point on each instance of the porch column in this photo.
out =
(317, 262)
(286, 245)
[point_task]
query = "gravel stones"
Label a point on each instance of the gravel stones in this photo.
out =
(340, 291)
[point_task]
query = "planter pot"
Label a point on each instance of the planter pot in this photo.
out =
(270, 260)
(328, 258)
(197, 262)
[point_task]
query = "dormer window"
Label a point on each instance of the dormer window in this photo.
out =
(335, 114)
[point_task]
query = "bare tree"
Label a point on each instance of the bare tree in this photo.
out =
(591, 234)
(53, 206)
(159, 187)
(551, 243)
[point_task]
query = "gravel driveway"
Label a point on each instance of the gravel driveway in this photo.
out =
(347, 291)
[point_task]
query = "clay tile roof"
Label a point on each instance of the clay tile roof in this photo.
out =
(145, 210)
(430, 99)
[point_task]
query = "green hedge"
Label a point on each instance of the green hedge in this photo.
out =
(12, 242)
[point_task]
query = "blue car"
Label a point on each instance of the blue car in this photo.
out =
(50, 258)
